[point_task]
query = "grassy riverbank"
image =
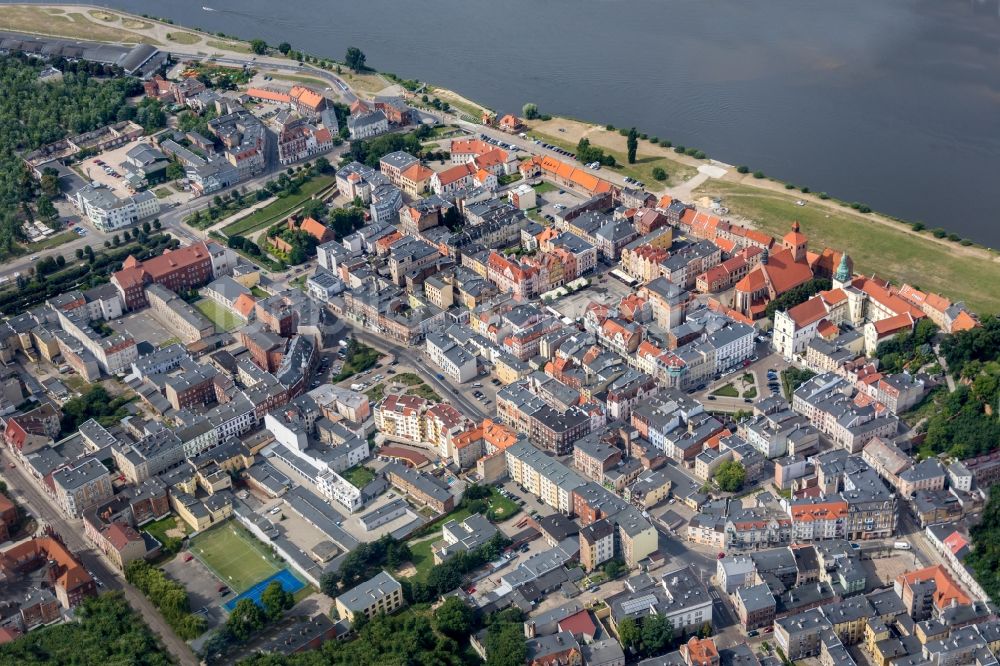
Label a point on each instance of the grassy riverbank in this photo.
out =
(962, 273)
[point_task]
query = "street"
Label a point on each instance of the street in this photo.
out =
(27, 494)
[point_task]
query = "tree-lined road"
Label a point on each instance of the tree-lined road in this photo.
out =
(44, 509)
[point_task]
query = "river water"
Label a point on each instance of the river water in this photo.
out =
(894, 103)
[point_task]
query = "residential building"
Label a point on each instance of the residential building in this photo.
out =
(81, 485)
(381, 594)
(109, 213)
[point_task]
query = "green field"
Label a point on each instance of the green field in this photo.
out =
(272, 212)
(235, 556)
(960, 273)
(727, 391)
(223, 319)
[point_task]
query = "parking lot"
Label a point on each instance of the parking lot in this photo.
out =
(104, 167)
(201, 585)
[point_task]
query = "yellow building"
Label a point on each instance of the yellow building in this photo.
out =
(198, 514)
(379, 595)
(509, 369)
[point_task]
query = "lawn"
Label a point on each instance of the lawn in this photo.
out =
(371, 83)
(962, 274)
(422, 558)
(750, 393)
(162, 192)
(376, 392)
(171, 523)
(235, 556)
(262, 217)
(501, 508)
(183, 37)
(52, 241)
(358, 476)
(37, 20)
(642, 169)
(727, 391)
(425, 392)
(362, 358)
(236, 47)
(304, 80)
(258, 292)
(543, 187)
(408, 379)
(223, 319)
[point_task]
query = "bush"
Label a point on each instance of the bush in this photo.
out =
(864, 209)
(918, 226)
(789, 186)
(666, 143)
(939, 232)
(609, 127)
(954, 238)
(742, 169)
(659, 173)
(655, 139)
(700, 155)
(824, 196)
(805, 190)
(966, 242)
(758, 174)
(679, 150)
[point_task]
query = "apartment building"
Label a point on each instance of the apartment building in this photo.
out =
(81, 485)
(381, 594)
(178, 270)
(110, 213)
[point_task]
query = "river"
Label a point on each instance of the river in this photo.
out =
(893, 103)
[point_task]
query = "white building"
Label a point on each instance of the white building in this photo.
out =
(456, 362)
(109, 213)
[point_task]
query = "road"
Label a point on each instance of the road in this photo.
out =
(43, 507)
(416, 360)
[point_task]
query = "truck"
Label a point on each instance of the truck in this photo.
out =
(901, 545)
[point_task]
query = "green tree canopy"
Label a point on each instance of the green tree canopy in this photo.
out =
(355, 58)
(731, 475)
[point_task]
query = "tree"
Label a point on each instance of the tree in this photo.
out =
(505, 645)
(314, 208)
(276, 600)
(453, 219)
(633, 145)
(453, 618)
(613, 569)
(355, 58)
(175, 170)
(79, 253)
(656, 634)
(530, 111)
(628, 633)
(246, 619)
(284, 47)
(730, 476)
(258, 46)
(157, 224)
(46, 210)
(659, 173)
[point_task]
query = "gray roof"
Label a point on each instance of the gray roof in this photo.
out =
(364, 595)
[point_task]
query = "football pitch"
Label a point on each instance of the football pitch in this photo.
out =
(235, 556)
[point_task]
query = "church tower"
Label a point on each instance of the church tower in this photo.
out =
(796, 242)
(842, 276)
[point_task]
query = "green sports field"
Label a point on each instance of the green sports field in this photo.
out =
(235, 556)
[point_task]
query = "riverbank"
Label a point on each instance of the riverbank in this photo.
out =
(878, 243)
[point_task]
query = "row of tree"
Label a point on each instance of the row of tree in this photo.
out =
(168, 596)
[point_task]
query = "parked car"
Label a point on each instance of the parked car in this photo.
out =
(188, 557)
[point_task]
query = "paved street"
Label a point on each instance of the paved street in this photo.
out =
(44, 509)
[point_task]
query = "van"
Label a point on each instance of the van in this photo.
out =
(357, 387)
(901, 545)
(477, 385)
